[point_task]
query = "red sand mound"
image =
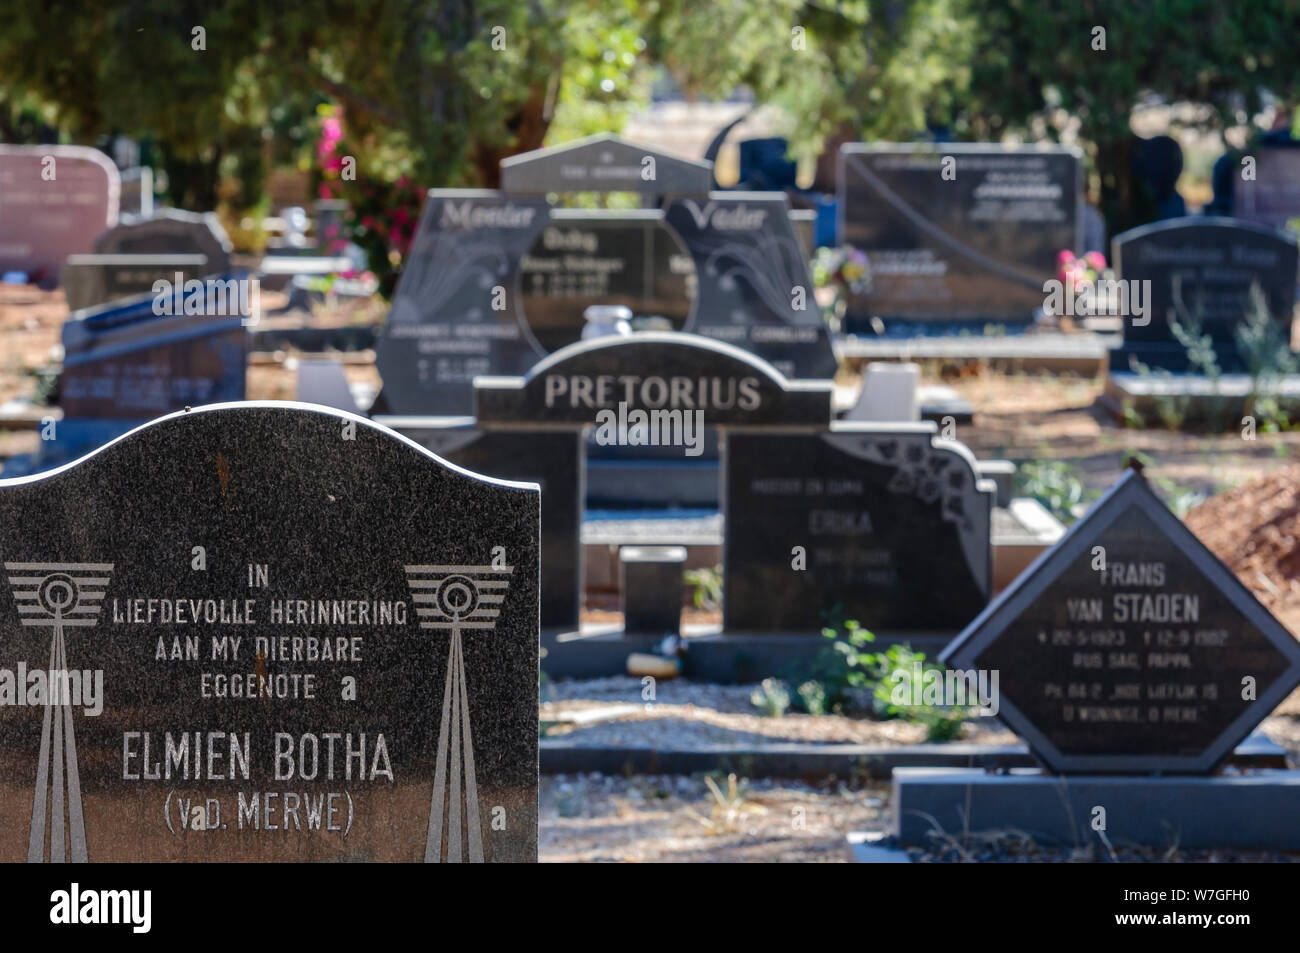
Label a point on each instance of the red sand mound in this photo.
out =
(1255, 530)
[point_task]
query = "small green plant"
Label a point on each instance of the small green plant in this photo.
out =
(899, 664)
(727, 809)
(812, 694)
(772, 697)
(1268, 357)
(1055, 484)
(705, 584)
(854, 666)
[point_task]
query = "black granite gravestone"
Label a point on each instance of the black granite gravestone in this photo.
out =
(1128, 647)
(653, 373)
(755, 288)
(603, 163)
(126, 362)
(497, 280)
(884, 525)
(551, 460)
(171, 232)
(1201, 271)
(290, 635)
(582, 259)
(957, 231)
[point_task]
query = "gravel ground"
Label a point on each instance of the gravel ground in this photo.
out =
(688, 714)
(670, 818)
(674, 818)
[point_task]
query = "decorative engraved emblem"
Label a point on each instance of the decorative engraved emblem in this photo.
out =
(456, 598)
(58, 596)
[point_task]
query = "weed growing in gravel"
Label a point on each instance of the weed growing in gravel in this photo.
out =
(771, 697)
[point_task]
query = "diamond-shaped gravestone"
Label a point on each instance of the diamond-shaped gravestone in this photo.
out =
(1162, 661)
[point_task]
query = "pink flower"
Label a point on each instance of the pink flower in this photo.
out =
(1096, 260)
(1064, 256)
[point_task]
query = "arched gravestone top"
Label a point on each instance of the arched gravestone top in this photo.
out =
(54, 200)
(604, 163)
(1137, 668)
(653, 371)
(170, 231)
(390, 595)
(1215, 260)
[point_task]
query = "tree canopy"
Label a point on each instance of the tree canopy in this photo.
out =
(440, 92)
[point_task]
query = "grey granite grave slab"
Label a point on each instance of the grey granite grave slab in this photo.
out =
(1272, 197)
(314, 641)
(1128, 647)
(864, 522)
(123, 361)
(1242, 812)
(496, 280)
(553, 461)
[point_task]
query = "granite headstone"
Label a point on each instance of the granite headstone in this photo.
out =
(1201, 271)
(54, 200)
(603, 163)
(171, 232)
(88, 280)
(1129, 647)
(497, 280)
(652, 372)
(582, 259)
(862, 522)
(291, 635)
(125, 362)
(957, 231)
(554, 462)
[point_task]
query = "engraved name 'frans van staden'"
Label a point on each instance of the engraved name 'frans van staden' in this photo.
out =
(320, 658)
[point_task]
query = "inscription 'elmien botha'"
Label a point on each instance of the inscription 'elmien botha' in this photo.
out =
(268, 632)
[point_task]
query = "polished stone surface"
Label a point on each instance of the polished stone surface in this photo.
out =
(604, 163)
(1201, 271)
(124, 362)
(1162, 661)
(652, 371)
(551, 460)
(90, 280)
(317, 642)
(977, 244)
(885, 525)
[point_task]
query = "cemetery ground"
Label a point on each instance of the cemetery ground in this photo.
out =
(1231, 491)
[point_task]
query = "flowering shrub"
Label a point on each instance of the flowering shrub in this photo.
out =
(380, 217)
(1077, 272)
